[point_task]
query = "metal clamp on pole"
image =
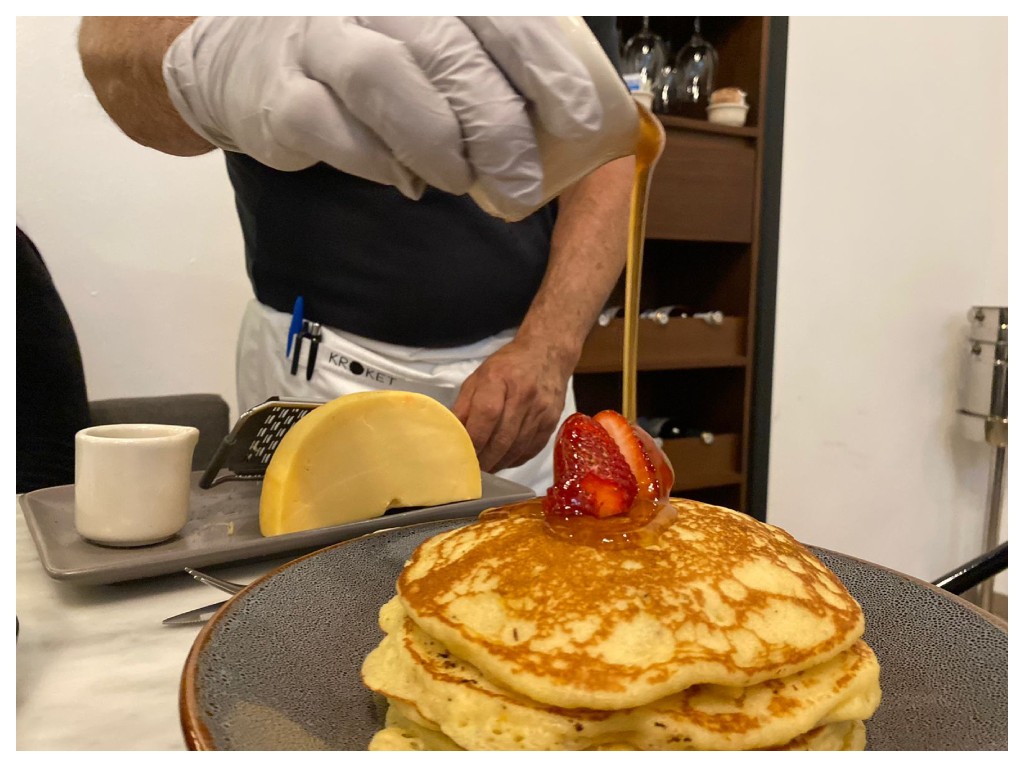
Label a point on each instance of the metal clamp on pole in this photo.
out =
(983, 414)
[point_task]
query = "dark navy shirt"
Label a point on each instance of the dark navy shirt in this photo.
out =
(434, 272)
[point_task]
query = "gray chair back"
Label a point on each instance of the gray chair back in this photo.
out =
(207, 412)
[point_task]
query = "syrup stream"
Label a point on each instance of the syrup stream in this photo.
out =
(649, 146)
(646, 520)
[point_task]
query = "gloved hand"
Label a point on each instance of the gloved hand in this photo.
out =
(443, 101)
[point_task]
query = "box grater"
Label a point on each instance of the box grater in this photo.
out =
(245, 452)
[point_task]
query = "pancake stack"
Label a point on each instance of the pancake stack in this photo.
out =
(721, 633)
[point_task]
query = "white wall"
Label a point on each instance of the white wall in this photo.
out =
(144, 248)
(894, 222)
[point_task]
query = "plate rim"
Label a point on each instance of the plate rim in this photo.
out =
(995, 620)
(198, 737)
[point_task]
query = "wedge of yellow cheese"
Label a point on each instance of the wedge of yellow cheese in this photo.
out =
(357, 456)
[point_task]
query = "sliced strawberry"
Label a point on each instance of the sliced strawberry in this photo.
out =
(591, 475)
(643, 461)
(610, 497)
(662, 465)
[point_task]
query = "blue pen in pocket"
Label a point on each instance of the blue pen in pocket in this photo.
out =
(296, 327)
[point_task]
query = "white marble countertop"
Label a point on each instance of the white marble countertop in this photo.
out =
(96, 668)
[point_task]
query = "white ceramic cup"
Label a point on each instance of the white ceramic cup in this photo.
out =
(728, 114)
(132, 482)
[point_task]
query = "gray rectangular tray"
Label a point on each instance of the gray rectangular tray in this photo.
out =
(223, 527)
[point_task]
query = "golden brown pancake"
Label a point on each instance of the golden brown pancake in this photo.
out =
(403, 734)
(838, 736)
(720, 598)
(434, 689)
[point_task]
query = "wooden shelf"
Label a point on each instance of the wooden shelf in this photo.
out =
(672, 122)
(699, 465)
(681, 344)
(711, 242)
(703, 188)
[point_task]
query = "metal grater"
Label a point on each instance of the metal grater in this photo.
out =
(247, 450)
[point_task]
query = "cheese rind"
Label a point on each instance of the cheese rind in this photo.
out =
(359, 455)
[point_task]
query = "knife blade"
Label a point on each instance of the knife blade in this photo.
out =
(199, 615)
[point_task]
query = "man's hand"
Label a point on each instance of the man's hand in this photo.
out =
(405, 101)
(512, 403)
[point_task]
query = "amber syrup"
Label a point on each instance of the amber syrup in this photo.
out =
(646, 520)
(649, 146)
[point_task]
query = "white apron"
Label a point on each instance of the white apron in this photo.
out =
(346, 363)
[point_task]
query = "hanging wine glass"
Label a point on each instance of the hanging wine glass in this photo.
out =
(665, 84)
(694, 77)
(643, 58)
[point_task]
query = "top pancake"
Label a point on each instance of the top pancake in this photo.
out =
(720, 598)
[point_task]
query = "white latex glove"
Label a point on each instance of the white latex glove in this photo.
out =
(407, 101)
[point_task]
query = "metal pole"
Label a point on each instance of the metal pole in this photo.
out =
(983, 418)
(994, 505)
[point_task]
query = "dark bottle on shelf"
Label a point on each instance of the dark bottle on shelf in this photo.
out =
(713, 317)
(651, 425)
(673, 428)
(663, 314)
(610, 313)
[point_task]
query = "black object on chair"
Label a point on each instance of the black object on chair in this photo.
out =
(52, 401)
(978, 570)
(51, 393)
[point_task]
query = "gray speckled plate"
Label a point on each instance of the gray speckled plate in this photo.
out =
(278, 666)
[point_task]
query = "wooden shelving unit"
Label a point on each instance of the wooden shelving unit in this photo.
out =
(679, 345)
(711, 244)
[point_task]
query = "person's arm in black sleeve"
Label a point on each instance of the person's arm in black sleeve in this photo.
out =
(51, 394)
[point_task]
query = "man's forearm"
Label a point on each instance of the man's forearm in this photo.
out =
(512, 403)
(588, 252)
(122, 58)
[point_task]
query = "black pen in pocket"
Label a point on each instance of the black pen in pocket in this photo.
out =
(313, 331)
(314, 335)
(297, 348)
